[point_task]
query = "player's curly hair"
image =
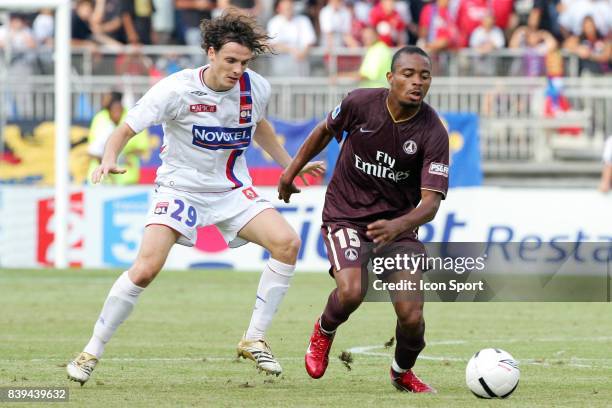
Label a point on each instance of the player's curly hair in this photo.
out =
(233, 26)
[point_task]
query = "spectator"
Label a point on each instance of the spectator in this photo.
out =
(545, 16)
(388, 23)
(106, 20)
(190, 14)
(82, 35)
(571, 19)
(471, 12)
(102, 125)
(437, 29)
(591, 47)
(19, 39)
(43, 28)
(535, 44)
(556, 103)
(487, 37)
(249, 7)
(136, 16)
(17, 36)
(606, 173)
(335, 23)
(292, 37)
(415, 8)
(360, 17)
(361, 11)
(376, 62)
(163, 21)
(313, 11)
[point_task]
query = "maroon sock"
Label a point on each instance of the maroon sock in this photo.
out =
(335, 312)
(410, 343)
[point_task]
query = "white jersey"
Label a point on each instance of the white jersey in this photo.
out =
(205, 132)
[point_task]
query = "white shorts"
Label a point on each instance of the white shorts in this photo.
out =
(184, 212)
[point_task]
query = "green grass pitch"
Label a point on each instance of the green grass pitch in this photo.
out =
(178, 347)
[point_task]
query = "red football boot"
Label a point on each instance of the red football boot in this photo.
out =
(317, 354)
(408, 381)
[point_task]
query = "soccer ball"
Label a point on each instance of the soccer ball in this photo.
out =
(492, 373)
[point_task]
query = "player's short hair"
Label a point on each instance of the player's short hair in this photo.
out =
(233, 26)
(409, 49)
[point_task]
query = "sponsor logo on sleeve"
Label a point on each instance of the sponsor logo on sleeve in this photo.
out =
(335, 112)
(202, 107)
(215, 137)
(439, 169)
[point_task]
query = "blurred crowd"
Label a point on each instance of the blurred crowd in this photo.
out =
(537, 29)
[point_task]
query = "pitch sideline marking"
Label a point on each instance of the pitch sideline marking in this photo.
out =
(367, 351)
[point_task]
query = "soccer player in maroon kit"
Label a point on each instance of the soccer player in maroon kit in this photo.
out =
(391, 174)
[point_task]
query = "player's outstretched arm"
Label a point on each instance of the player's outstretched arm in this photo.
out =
(313, 145)
(115, 144)
(383, 232)
(265, 136)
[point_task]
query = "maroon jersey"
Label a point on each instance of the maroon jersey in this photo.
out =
(383, 164)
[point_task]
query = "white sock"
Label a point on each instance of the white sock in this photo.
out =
(117, 307)
(273, 285)
(397, 368)
(327, 332)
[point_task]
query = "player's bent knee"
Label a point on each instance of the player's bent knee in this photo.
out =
(285, 248)
(411, 319)
(294, 244)
(144, 271)
(350, 296)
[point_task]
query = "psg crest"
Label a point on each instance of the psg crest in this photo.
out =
(351, 254)
(410, 147)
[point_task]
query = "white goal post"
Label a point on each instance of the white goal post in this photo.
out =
(62, 114)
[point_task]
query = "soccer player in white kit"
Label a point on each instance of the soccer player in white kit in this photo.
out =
(209, 115)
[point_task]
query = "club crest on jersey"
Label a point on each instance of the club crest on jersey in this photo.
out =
(202, 107)
(335, 112)
(161, 208)
(250, 193)
(410, 147)
(439, 169)
(215, 137)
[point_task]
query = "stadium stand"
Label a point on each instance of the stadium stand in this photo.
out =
(541, 99)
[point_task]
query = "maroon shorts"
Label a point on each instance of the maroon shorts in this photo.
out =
(348, 246)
